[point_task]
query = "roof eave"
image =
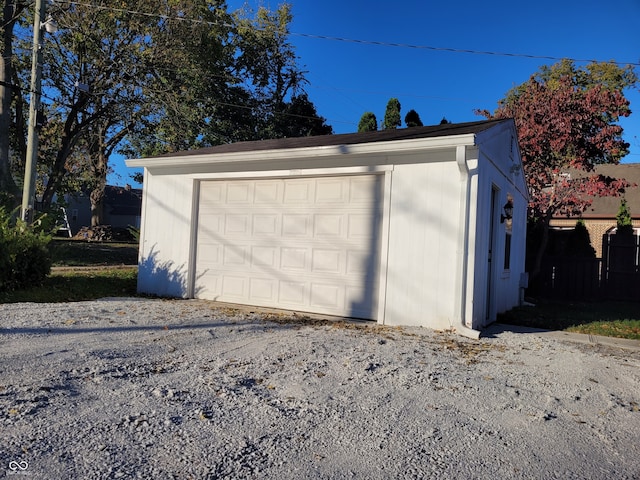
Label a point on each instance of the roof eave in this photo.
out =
(393, 146)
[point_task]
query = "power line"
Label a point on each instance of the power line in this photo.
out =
(320, 37)
(452, 50)
(353, 40)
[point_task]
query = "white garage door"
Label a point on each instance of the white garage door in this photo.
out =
(308, 244)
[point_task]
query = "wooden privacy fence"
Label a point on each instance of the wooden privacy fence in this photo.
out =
(620, 267)
(616, 276)
(567, 278)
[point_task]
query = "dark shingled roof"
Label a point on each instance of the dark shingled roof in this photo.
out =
(607, 207)
(444, 130)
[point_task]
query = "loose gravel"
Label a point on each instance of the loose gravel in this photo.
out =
(164, 389)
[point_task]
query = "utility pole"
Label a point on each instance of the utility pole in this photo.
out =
(29, 187)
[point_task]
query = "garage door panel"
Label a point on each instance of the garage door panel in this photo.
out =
(292, 258)
(235, 255)
(360, 191)
(356, 263)
(213, 195)
(239, 193)
(267, 193)
(327, 261)
(210, 254)
(208, 284)
(266, 224)
(328, 225)
(262, 289)
(233, 286)
(296, 192)
(360, 225)
(327, 296)
(236, 224)
(296, 225)
(331, 191)
(264, 257)
(301, 244)
(213, 223)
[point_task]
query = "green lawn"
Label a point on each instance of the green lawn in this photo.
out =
(104, 270)
(612, 319)
(81, 253)
(73, 285)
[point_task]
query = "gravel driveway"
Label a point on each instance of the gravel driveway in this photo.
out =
(141, 388)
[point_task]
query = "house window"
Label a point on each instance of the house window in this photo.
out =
(507, 251)
(74, 215)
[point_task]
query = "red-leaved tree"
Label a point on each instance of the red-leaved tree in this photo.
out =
(566, 121)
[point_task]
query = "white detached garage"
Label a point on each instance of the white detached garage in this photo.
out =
(404, 227)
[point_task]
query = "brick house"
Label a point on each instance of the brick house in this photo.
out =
(600, 217)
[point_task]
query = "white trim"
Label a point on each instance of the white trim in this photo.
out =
(463, 247)
(298, 172)
(193, 239)
(143, 215)
(263, 156)
(385, 227)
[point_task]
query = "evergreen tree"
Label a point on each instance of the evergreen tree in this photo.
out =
(412, 119)
(368, 122)
(623, 219)
(299, 118)
(392, 115)
(580, 242)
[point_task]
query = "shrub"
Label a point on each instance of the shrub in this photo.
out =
(24, 257)
(135, 233)
(623, 219)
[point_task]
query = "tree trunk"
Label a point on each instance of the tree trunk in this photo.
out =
(8, 186)
(542, 246)
(100, 175)
(97, 205)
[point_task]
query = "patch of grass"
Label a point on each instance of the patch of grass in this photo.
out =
(612, 319)
(616, 328)
(74, 285)
(75, 253)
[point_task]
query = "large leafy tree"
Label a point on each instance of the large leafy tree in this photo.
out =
(268, 64)
(194, 88)
(567, 125)
(299, 118)
(149, 77)
(240, 84)
(96, 69)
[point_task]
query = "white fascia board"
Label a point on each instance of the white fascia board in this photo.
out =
(294, 172)
(390, 147)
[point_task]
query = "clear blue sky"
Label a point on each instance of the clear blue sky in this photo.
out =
(347, 78)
